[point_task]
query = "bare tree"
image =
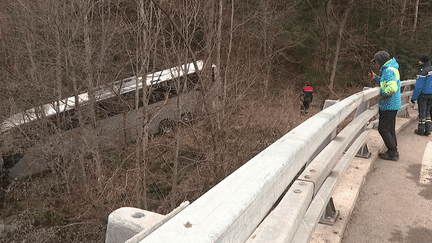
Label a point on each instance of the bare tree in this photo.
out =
(145, 45)
(343, 21)
(327, 6)
(416, 15)
(86, 10)
(268, 43)
(402, 16)
(80, 160)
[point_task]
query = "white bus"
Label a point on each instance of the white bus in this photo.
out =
(117, 120)
(110, 97)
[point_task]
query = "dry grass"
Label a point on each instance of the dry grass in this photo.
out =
(40, 209)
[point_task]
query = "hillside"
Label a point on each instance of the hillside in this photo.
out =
(264, 51)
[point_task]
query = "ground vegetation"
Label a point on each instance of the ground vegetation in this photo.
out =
(264, 51)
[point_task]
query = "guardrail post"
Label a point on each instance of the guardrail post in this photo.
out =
(363, 152)
(330, 214)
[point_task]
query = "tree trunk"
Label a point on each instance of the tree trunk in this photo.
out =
(402, 16)
(176, 152)
(105, 37)
(212, 104)
(140, 140)
(326, 27)
(144, 52)
(338, 44)
(80, 119)
(266, 45)
(228, 58)
(415, 15)
(218, 78)
(28, 39)
(58, 60)
(94, 144)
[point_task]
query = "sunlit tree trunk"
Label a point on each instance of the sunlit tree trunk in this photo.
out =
(416, 15)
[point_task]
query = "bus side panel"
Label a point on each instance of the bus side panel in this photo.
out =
(111, 131)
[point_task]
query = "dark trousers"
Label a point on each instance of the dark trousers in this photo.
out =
(424, 105)
(306, 104)
(387, 129)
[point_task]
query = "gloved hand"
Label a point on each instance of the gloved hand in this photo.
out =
(412, 101)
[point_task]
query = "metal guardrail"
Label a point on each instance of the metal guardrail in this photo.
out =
(247, 205)
(301, 209)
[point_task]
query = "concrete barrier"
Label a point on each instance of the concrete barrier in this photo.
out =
(126, 222)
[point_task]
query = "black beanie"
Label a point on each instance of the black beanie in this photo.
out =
(382, 57)
(424, 58)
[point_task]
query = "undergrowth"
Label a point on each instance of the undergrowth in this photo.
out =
(43, 208)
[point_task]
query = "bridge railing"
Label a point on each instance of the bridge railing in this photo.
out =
(266, 199)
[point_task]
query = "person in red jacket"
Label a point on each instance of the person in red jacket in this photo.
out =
(307, 96)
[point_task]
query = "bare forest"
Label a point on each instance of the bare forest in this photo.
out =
(256, 56)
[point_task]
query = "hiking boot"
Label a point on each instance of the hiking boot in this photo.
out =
(427, 128)
(389, 156)
(421, 129)
(418, 132)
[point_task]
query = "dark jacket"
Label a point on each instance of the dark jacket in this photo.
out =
(424, 81)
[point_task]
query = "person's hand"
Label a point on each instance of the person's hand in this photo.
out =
(412, 101)
(372, 74)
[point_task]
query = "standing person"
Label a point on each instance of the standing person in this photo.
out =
(307, 95)
(389, 101)
(423, 94)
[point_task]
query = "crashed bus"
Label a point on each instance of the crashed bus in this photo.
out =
(114, 109)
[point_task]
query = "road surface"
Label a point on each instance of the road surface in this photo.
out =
(395, 202)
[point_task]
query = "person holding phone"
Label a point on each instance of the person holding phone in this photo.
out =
(389, 101)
